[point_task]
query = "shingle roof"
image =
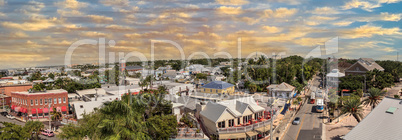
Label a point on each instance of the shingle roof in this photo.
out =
(282, 87)
(236, 107)
(380, 125)
(218, 85)
(367, 63)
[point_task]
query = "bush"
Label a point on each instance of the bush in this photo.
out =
(396, 96)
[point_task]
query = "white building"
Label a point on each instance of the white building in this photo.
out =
(333, 78)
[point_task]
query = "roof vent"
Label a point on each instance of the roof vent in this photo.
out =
(391, 110)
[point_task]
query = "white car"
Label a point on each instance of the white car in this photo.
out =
(10, 117)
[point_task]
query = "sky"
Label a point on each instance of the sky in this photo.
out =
(40, 32)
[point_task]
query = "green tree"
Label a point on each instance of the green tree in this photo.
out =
(374, 97)
(50, 75)
(34, 128)
(352, 106)
(11, 131)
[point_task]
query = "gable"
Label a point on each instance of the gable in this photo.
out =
(356, 67)
(226, 115)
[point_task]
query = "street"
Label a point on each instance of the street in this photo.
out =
(4, 119)
(310, 126)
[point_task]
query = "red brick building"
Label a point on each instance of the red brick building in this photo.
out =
(33, 105)
(7, 89)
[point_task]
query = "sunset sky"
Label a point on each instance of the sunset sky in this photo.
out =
(39, 32)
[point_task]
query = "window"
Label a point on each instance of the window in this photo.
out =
(40, 101)
(81, 106)
(231, 123)
(64, 100)
(216, 91)
(210, 90)
(204, 89)
(36, 101)
(59, 100)
(45, 101)
(238, 121)
(31, 102)
(55, 101)
(50, 100)
(221, 124)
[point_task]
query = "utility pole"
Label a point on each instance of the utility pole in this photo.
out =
(50, 125)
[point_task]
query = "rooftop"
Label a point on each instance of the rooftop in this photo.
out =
(218, 85)
(384, 122)
(56, 91)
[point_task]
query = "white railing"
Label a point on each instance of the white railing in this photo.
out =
(244, 128)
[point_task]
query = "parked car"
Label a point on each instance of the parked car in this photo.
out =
(296, 121)
(48, 133)
(10, 116)
(4, 113)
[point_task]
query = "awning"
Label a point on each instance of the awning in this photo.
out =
(45, 110)
(17, 109)
(63, 109)
(251, 133)
(40, 111)
(23, 110)
(264, 129)
(33, 111)
(232, 136)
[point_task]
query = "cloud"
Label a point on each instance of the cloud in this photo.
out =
(115, 2)
(2, 14)
(291, 2)
(35, 24)
(324, 11)
(322, 18)
(100, 19)
(18, 34)
(387, 49)
(232, 2)
(71, 4)
(280, 13)
(229, 10)
(3, 2)
(115, 27)
(368, 31)
(93, 34)
(367, 5)
(32, 8)
(272, 29)
(343, 23)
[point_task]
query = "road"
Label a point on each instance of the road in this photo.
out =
(310, 127)
(4, 119)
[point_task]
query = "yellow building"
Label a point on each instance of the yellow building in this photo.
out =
(216, 87)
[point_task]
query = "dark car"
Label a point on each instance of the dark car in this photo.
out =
(296, 121)
(4, 113)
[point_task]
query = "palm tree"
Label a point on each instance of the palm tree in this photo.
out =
(12, 131)
(352, 106)
(34, 127)
(56, 116)
(374, 97)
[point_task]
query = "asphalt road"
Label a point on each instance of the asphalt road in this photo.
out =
(4, 119)
(310, 127)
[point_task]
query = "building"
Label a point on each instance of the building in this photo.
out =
(218, 87)
(5, 101)
(6, 89)
(333, 78)
(383, 123)
(235, 119)
(362, 66)
(81, 107)
(283, 90)
(133, 69)
(36, 104)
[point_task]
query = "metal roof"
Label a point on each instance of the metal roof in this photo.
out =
(379, 125)
(218, 85)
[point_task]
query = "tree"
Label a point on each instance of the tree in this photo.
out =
(374, 97)
(12, 131)
(56, 116)
(50, 75)
(352, 106)
(148, 117)
(34, 128)
(396, 96)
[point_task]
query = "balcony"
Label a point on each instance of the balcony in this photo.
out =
(244, 128)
